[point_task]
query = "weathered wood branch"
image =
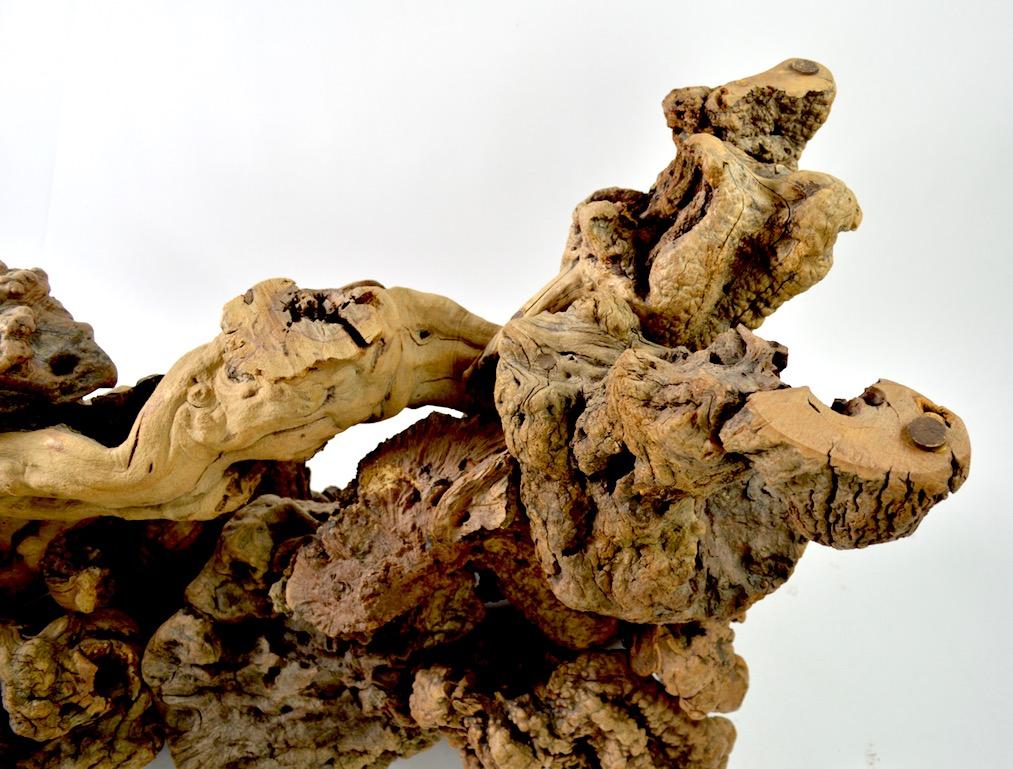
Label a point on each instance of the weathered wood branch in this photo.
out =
(547, 581)
(731, 229)
(291, 369)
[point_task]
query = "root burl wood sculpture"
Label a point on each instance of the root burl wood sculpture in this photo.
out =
(547, 581)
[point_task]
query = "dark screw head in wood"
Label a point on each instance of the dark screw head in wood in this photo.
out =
(805, 66)
(928, 433)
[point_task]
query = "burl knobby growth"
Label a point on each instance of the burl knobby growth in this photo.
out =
(547, 580)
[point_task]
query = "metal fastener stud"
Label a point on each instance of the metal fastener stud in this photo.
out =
(927, 433)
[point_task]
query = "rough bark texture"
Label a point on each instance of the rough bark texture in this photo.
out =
(430, 509)
(592, 711)
(695, 663)
(243, 686)
(731, 229)
(636, 510)
(74, 693)
(770, 116)
(46, 357)
(548, 581)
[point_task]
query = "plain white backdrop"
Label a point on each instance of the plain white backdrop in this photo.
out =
(157, 159)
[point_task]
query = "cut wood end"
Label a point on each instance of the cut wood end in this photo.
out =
(890, 428)
(794, 77)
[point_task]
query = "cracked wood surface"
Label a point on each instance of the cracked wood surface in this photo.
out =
(854, 478)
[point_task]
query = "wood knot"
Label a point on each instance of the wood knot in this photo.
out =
(200, 396)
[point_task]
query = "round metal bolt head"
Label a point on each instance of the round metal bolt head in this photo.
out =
(805, 66)
(928, 433)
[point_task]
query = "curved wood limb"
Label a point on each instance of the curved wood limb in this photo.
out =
(291, 369)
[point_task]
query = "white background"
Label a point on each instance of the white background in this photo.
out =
(159, 158)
